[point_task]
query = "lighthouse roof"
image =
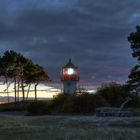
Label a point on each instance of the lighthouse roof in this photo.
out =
(70, 65)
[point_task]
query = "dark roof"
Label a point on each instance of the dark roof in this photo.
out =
(69, 65)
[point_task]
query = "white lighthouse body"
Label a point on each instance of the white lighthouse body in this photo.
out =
(69, 87)
(69, 78)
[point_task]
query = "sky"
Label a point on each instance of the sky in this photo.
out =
(93, 33)
(43, 92)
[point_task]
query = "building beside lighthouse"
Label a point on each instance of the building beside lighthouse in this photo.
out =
(69, 78)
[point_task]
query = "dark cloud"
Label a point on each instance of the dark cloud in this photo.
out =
(92, 32)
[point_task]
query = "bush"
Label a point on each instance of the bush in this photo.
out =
(38, 108)
(64, 103)
(47, 107)
(85, 103)
(116, 94)
(107, 95)
(113, 93)
(135, 103)
(58, 101)
(20, 106)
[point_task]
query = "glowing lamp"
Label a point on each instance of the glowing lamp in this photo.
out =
(70, 71)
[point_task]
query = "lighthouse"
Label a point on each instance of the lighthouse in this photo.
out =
(69, 78)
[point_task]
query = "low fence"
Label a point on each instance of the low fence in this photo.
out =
(111, 111)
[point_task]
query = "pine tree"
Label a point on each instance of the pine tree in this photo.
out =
(134, 76)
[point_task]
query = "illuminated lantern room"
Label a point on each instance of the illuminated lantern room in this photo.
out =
(69, 77)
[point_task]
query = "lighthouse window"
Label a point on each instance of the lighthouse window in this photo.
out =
(70, 71)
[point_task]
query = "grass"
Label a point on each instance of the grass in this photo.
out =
(61, 128)
(62, 133)
(16, 126)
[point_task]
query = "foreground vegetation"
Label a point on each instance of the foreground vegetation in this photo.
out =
(109, 95)
(71, 134)
(64, 128)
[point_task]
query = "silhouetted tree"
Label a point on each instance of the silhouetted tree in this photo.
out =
(22, 72)
(35, 76)
(134, 76)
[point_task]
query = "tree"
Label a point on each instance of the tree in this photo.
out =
(14, 63)
(3, 73)
(134, 39)
(35, 74)
(22, 72)
(7, 63)
(134, 76)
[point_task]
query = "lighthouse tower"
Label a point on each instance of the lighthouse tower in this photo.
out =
(69, 77)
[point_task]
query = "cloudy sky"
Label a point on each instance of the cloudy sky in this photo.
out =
(91, 32)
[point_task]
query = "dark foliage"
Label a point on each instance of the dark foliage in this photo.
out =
(85, 103)
(134, 76)
(115, 94)
(20, 106)
(38, 108)
(73, 104)
(22, 72)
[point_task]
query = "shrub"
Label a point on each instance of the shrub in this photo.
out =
(38, 107)
(135, 103)
(47, 107)
(64, 103)
(20, 106)
(58, 101)
(107, 95)
(85, 103)
(114, 94)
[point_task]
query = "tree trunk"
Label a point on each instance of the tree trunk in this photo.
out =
(15, 90)
(36, 91)
(7, 91)
(8, 96)
(18, 90)
(28, 92)
(23, 93)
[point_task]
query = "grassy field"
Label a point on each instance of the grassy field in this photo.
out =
(19, 127)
